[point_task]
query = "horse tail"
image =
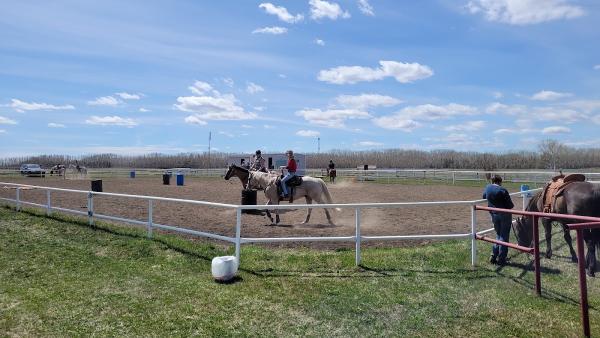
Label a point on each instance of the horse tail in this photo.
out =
(326, 193)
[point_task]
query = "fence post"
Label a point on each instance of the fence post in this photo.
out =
(48, 205)
(583, 300)
(18, 199)
(90, 208)
(357, 235)
(473, 235)
(453, 178)
(536, 256)
(238, 232)
(150, 212)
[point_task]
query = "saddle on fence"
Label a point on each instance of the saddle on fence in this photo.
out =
(292, 183)
(554, 189)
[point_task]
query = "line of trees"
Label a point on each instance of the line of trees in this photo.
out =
(549, 155)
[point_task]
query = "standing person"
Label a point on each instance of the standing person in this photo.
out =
(291, 172)
(331, 165)
(498, 197)
(331, 171)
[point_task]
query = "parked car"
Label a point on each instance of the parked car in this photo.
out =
(32, 170)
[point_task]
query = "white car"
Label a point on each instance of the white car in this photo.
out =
(32, 170)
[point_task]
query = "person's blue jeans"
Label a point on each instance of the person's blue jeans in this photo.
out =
(286, 178)
(502, 223)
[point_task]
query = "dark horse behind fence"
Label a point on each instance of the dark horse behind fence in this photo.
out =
(578, 198)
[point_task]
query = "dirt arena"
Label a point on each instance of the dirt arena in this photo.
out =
(375, 221)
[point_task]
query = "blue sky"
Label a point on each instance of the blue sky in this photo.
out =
(133, 77)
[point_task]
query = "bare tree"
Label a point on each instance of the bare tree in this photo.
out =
(552, 152)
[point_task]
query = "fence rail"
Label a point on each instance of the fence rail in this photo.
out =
(238, 239)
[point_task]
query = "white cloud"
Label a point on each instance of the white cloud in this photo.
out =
(211, 106)
(104, 101)
(467, 126)
(283, 76)
(430, 112)
(558, 114)
(498, 95)
(268, 126)
(556, 130)
(228, 81)
(2, 131)
(275, 30)
(498, 107)
(505, 131)
(364, 101)
(228, 134)
(396, 122)
(324, 9)
(253, 88)
(365, 7)
(369, 144)
(281, 12)
(56, 125)
(6, 120)
(319, 42)
(332, 118)
(597, 67)
(143, 110)
(111, 121)
(194, 120)
(587, 106)
(596, 119)
(247, 126)
(408, 118)
(308, 133)
(548, 95)
(22, 106)
(524, 12)
(402, 72)
(127, 96)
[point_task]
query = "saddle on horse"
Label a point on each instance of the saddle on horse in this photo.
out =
(554, 189)
(292, 183)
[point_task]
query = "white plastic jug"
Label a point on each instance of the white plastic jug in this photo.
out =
(224, 268)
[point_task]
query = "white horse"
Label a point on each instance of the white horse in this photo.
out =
(77, 170)
(312, 189)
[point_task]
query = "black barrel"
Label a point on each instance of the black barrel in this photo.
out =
(249, 198)
(97, 185)
(166, 179)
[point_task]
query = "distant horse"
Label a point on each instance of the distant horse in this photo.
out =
(312, 189)
(58, 169)
(77, 170)
(332, 174)
(578, 198)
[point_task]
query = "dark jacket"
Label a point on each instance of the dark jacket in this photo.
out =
(497, 197)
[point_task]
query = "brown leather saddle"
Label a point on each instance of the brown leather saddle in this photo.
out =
(554, 189)
(292, 183)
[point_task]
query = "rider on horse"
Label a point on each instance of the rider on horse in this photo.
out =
(291, 168)
(259, 162)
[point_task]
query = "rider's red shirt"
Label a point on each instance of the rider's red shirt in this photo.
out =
(291, 165)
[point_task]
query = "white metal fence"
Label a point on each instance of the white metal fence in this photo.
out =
(238, 240)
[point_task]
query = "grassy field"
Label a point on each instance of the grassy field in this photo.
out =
(60, 277)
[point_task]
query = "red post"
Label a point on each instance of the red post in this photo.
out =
(585, 317)
(536, 256)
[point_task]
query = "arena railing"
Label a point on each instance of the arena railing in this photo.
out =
(238, 240)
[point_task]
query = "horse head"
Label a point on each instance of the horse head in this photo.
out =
(523, 228)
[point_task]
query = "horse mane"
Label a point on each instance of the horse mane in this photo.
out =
(240, 168)
(533, 202)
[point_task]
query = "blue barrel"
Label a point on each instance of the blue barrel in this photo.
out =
(132, 174)
(179, 179)
(525, 187)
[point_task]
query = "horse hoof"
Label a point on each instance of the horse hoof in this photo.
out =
(548, 255)
(591, 274)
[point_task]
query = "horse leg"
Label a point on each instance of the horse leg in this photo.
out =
(567, 236)
(268, 212)
(309, 210)
(590, 258)
(320, 201)
(548, 229)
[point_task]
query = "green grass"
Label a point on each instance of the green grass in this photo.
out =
(60, 277)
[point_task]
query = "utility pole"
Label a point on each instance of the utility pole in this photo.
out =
(209, 139)
(318, 145)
